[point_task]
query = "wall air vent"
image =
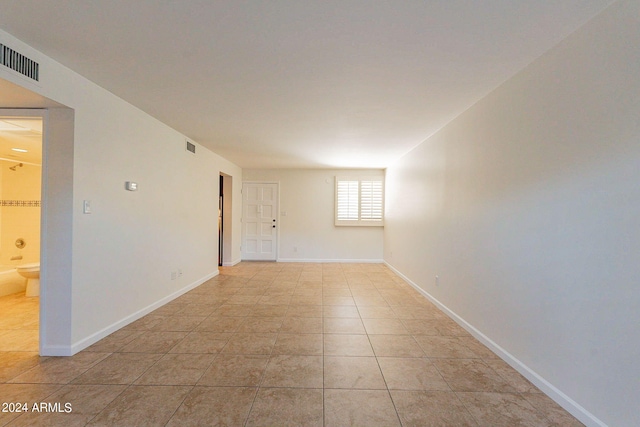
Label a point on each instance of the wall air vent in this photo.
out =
(19, 63)
(191, 147)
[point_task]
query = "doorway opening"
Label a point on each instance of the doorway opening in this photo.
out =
(221, 221)
(225, 207)
(21, 143)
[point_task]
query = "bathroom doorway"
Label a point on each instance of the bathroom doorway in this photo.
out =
(221, 222)
(21, 141)
(225, 206)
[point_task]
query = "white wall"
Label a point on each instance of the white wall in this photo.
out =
(120, 257)
(307, 196)
(527, 207)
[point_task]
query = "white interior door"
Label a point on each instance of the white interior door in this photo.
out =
(259, 221)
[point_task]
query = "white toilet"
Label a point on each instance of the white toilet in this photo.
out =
(32, 273)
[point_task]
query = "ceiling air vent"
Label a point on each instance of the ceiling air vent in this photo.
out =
(19, 63)
(191, 147)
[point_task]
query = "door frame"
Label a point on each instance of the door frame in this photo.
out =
(56, 225)
(277, 216)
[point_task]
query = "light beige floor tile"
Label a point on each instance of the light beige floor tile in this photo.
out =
(293, 371)
(178, 323)
(214, 406)
(304, 310)
(503, 410)
(337, 292)
(194, 309)
(60, 370)
(253, 292)
(342, 301)
(302, 325)
(352, 373)
(311, 276)
(385, 326)
(345, 311)
(261, 324)
(333, 278)
(444, 347)
(340, 325)
(448, 327)
(269, 310)
(202, 342)
(243, 299)
(43, 419)
(370, 408)
(299, 344)
(235, 370)
(275, 310)
(142, 406)
(347, 345)
(28, 393)
(370, 301)
(275, 300)
(411, 374)
(234, 310)
(431, 409)
(338, 284)
(362, 285)
(395, 346)
(177, 369)
(368, 292)
(404, 311)
(115, 341)
(423, 326)
(308, 287)
(145, 323)
(515, 379)
(119, 368)
(250, 344)
(471, 375)
(376, 312)
(307, 300)
(154, 342)
(554, 412)
(86, 399)
(284, 407)
(217, 323)
(478, 348)
(14, 363)
(19, 340)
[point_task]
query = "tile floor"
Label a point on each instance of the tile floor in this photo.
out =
(274, 344)
(18, 323)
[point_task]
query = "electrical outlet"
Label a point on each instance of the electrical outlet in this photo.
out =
(437, 280)
(295, 249)
(174, 275)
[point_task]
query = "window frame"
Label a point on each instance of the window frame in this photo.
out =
(359, 221)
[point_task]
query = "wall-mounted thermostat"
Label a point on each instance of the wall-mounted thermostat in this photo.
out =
(131, 186)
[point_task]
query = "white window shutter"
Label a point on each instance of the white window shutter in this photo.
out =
(347, 200)
(371, 200)
(359, 201)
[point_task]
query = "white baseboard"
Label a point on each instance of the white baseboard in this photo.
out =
(545, 386)
(232, 263)
(344, 261)
(86, 342)
(56, 350)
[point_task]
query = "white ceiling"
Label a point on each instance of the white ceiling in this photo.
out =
(299, 83)
(23, 134)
